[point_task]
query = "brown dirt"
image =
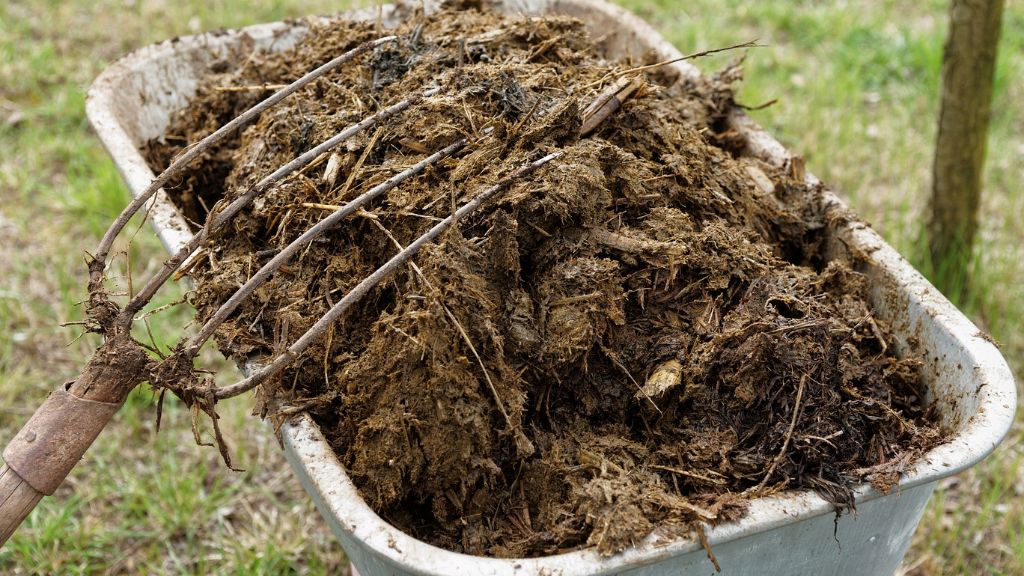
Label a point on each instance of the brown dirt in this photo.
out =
(652, 311)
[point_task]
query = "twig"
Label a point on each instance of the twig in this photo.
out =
(707, 547)
(159, 309)
(359, 163)
(611, 75)
(826, 439)
(640, 391)
(757, 107)
(789, 434)
(608, 102)
(251, 88)
(539, 230)
(487, 375)
(693, 475)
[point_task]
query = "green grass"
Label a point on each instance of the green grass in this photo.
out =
(856, 82)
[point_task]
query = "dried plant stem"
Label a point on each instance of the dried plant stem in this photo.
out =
(331, 171)
(701, 54)
(664, 377)
(789, 434)
(689, 474)
(632, 245)
(215, 221)
(663, 63)
(608, 102)
(354, 173)
(319, 206)
(707, 547)
(319, 329)
(191, 153)
(250, 88)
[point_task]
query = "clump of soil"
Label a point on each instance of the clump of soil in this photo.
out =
(642, 334)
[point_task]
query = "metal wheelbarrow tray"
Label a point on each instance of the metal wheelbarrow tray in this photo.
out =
(792, 533)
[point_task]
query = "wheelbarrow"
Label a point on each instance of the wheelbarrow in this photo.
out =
(790, 533)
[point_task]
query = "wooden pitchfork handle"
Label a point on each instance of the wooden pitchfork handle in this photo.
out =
(54, 439)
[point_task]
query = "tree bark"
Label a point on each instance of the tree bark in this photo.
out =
(968, 73)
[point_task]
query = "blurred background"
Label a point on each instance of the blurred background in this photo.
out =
(857, 89)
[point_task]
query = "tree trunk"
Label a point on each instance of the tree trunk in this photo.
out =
(968, 73)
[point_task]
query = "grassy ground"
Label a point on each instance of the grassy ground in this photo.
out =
(857, 83)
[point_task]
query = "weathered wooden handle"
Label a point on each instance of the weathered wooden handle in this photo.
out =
(17, 499)
(56, 437)
(43, 453)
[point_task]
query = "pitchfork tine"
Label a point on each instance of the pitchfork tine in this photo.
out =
(280, 362)
(218, 220)
(182, 162)
(264, 273)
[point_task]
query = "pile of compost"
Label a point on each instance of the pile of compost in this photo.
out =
(642, 334)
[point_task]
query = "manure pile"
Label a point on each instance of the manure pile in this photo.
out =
(642, 334)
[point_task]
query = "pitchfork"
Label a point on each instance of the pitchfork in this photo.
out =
(54, 439)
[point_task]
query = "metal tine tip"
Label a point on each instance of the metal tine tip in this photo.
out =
(281, 361)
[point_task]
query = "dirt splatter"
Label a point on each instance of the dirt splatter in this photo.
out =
(642, 334)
